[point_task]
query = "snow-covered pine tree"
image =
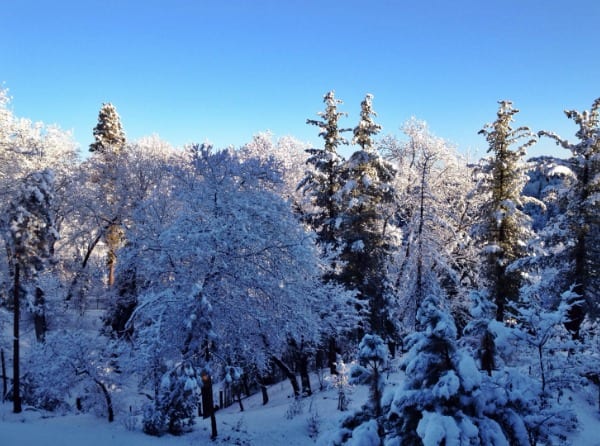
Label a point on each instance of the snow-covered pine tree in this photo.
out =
(322, 181)
(443, 400)
(504, 230)
(366, 425)
(109, 144)
(579, 227)
(32, 235)
(108, 133)
(321, 208)
(365, 225)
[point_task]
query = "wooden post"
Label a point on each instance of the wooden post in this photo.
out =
(16, 356)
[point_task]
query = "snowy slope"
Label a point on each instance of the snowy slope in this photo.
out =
(258, 425)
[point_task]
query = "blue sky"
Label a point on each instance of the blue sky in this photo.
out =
(224, 70)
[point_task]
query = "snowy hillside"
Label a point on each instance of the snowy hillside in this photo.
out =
(258, 425)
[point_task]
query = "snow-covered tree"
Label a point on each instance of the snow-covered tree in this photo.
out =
(321, 207)
(108, 133)
(74, 365)
(32, 237)
(285, 155)
(367, 127)
(256, 265)
(109, 144)
(528, 364)
(365, 228)
(372, 360)
(577, 231)
(435, 212)
(323, 180)
(505, 228)
(365, 426)
(443, 400)
(27, 148)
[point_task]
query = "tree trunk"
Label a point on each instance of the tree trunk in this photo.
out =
(304, 377)
(112, 263)
(86, 258)
(213, 425)
(109, 406)
(289, 374)
(332, 356)
(4, 377)
(39, 315)
(265, 394)
(16, 354)
(238, 395)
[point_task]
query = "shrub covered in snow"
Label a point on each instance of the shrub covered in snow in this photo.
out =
(175, 409)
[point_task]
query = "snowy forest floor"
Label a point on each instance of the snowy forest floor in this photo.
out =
(258, 425)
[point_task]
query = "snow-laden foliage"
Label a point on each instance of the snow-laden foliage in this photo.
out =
(435, 212)
(108, 133)
(28, 149)
(222, 233)
(175, 408)
(578, 223)
(31, 238)
(445, 398)
(529, 363)
(73, 368)
(372, 359)
(504, 230)
(366, 128)
(365, 227)
(323, 179)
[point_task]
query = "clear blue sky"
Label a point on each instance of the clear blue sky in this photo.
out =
(223, 70)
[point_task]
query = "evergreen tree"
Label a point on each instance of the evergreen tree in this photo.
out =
(323, 181)
(579, 227)
(108, 133)
(366, 425)
(365, 225)
(444, 399)
(505, 229)
(320, 185)
(109, 143)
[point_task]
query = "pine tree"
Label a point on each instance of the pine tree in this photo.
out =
(108, 133)
(32, 235)
(505, 228)
(109, 144)
(366, 128)
(444, 400)
(320, 185)
(581, 221)
(323, 181)
(364, 226)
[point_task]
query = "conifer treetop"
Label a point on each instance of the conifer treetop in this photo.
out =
(366, 128)
(328, 124)
(500, 135)
(108, 133)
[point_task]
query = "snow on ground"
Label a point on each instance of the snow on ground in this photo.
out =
(258, 425)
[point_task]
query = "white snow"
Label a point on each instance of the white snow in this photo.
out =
(258, 425)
